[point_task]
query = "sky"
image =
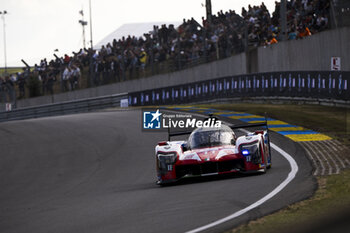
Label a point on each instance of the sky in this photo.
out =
(36, 28)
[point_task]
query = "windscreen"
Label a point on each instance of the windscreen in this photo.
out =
(208, 138)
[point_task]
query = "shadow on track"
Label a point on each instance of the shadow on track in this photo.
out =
(202, 179)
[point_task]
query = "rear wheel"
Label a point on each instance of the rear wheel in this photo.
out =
(270, 164)
(265, 160)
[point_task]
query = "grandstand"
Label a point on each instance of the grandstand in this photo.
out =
(167, 48)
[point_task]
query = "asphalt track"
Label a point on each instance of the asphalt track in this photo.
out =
(95, 172)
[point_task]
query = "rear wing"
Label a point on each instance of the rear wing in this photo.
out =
(180, 133)
(250, 125)
(262, 124)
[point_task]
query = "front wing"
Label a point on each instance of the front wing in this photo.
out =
(174, 172)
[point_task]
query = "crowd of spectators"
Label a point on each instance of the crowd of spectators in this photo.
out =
(167, 48)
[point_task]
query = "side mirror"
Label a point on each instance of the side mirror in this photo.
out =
(162, 143)
(184, 147)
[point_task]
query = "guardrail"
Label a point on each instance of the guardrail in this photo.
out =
(63, 108)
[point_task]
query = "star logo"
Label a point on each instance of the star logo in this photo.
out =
(152, 119)
(156, 115)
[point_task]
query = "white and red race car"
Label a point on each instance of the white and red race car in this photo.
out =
(213, 151)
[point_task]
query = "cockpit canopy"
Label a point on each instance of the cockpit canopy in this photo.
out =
(208, 137)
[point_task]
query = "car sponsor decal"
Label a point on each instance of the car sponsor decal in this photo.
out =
(190, 156)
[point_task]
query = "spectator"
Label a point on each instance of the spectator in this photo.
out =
(8, 88)
(2, 90)
(66, 77)
(98, 69)
(21, 82)
(143, 59)
(273, 41)
(75, 77)
(172, 48)
(304, 32)
(43, 79)
(292, 35)
(51, 78)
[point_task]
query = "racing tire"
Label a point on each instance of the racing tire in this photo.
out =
(265, 162)
(269, 166)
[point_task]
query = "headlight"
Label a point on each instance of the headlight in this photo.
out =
(251, 153)
(245, 152)
(167, 158)
(166, 161)
(249, 149)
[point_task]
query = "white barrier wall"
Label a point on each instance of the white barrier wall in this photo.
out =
(311, 53)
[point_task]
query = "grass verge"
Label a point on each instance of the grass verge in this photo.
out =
(332, 196)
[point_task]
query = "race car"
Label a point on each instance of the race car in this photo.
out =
(213, 151)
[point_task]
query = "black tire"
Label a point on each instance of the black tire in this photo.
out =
(269, 166)
(265, 161)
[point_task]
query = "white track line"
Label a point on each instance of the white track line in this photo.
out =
(334, 150)
(339, 144)
(312, 159)
(324, 150)
(335, 146)
(340, 147)
(347, 161)
(290, 177)
(333, 155)
(317, 148)
(307, 145)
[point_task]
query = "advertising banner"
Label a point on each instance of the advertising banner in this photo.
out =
(312, 84)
